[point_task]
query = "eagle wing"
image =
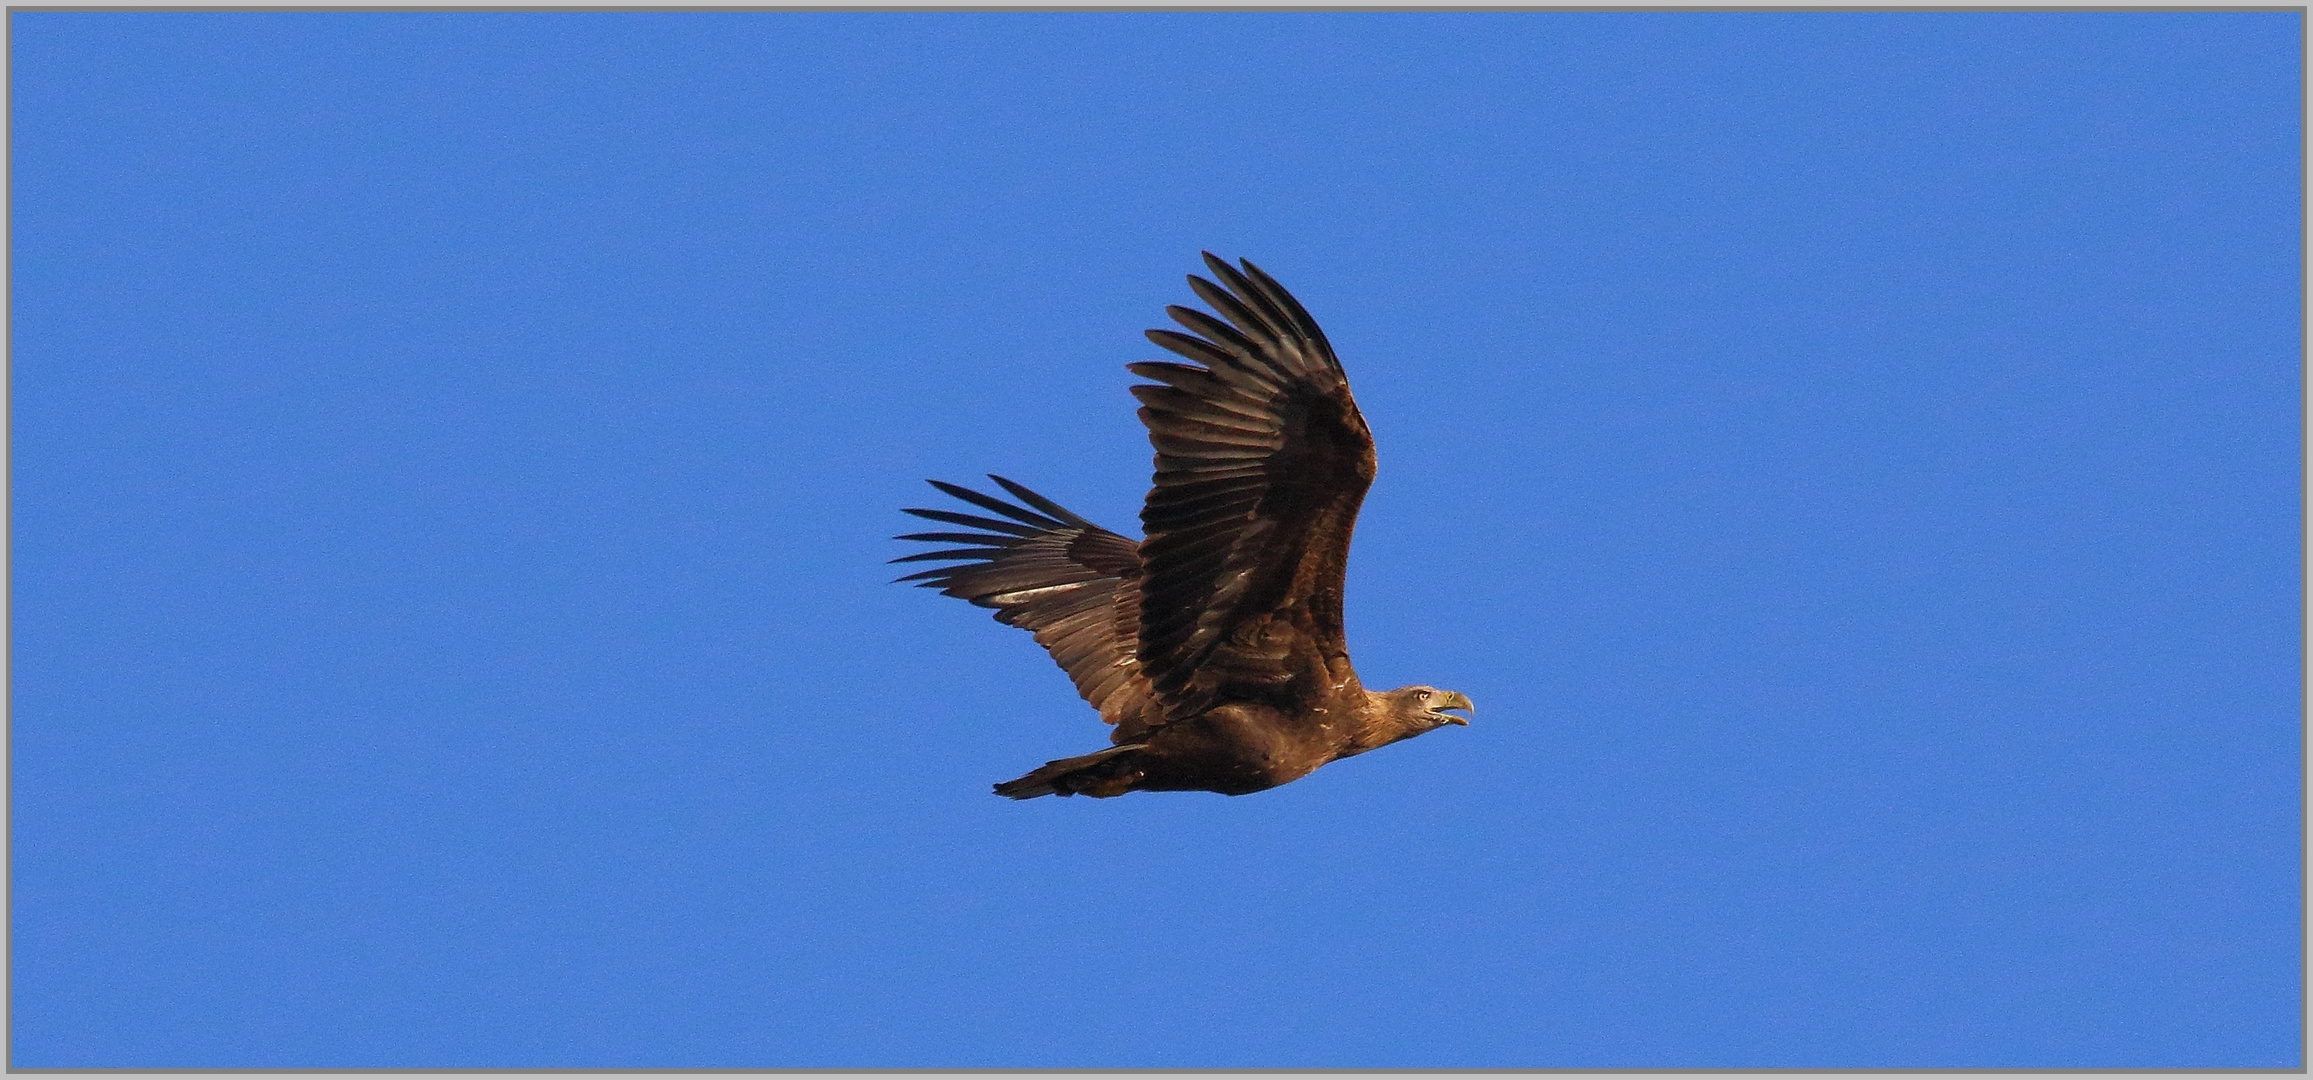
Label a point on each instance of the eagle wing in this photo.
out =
(1262, 460)
(1071, 583)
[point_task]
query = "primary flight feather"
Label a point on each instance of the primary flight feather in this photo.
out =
(1215, 644)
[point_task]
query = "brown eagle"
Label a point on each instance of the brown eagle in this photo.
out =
(1215, 645)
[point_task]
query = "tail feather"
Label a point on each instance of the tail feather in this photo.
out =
(1109, 772)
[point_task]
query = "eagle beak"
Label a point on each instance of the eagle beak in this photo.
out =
(1456, 700)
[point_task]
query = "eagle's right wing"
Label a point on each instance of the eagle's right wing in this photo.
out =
(1073, 584)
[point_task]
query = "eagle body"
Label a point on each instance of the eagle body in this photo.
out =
(1214, 645)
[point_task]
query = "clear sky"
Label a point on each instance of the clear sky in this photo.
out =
(1852, 460)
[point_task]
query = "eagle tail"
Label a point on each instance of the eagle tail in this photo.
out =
(1101, 775)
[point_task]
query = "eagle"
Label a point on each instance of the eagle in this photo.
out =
(1214, 645)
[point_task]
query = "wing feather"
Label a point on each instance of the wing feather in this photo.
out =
(990, 502)
(990, 524)
(1051, 509)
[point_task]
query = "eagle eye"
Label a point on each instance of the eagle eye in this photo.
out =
(1425, 695)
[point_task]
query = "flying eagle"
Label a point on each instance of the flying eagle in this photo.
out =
(1215, 645)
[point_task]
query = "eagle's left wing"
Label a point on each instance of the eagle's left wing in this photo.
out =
(1262, 460)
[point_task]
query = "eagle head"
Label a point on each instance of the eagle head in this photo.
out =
(1423, 708)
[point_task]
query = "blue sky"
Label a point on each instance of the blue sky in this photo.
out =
(1851, 459)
